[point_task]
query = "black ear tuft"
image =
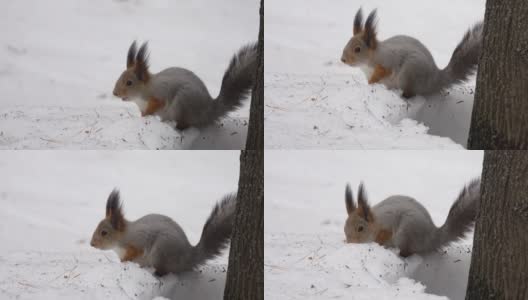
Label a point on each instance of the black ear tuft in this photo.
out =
(131, 56)
(349, 200)
(363, 205)
(370, 30)
(142, 63)
(114, 210)
(358, 21)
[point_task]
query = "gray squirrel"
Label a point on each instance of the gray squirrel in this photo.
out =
(402, 222)
(159, 242)
(403, 62)
(177, 94)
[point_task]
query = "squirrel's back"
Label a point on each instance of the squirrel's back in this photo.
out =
(186, 94)
(154, 226)
(410, 61)
(395, 50)
(391, 210)
(405, 217)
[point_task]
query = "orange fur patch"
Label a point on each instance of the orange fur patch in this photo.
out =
(383, 236)
(153, 106)
(379, 73)
(131, 253)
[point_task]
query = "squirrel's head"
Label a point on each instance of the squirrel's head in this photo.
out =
(110, 229)
(360, 47)
(359, 226)
(134, 79)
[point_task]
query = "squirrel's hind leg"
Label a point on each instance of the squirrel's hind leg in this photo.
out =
(160, 273)
(405, 253)
(408, 94)
(182, 126)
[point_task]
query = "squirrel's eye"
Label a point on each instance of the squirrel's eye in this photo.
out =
(360, 228)
(129, 82)
(103, 233)
(357, 50)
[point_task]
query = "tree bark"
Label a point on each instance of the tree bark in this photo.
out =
(499, 265)
(500, 112)
(255, 136)
(245, 272)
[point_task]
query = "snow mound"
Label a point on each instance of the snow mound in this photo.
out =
(63, 127)
(56, 275)
(340, 112)
(307, 266)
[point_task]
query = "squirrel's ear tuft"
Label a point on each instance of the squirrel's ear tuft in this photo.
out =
(114, 211)
(370, 33)
(131, 56)
(349, 200)
(363, 205)
(142, 64)
(358, 21)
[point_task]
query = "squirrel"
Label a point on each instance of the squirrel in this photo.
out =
(157, 241)
(402, 62)
(402, 222)
(177, 94)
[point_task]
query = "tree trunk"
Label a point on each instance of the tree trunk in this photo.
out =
(255, 136)
(499, 265)
(500, 111)
(245, 273)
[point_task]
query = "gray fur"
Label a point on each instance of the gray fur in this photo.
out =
(414, 70)
(189, 101)
(413, 230)
(165, 245)
(408, 220)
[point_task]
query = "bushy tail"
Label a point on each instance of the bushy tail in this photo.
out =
(216, 231)
(464, 60)
(461, 216)
(237, 83)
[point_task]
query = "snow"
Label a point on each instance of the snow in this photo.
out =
(51, 201)
(305, 253)
(313, 101)
(59, 61)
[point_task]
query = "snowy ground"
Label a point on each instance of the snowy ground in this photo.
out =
(59, 61)
(305, 253)
(51, 201)
(314, 101)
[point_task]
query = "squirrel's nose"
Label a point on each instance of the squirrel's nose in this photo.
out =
(115, 93)
(342, 59)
